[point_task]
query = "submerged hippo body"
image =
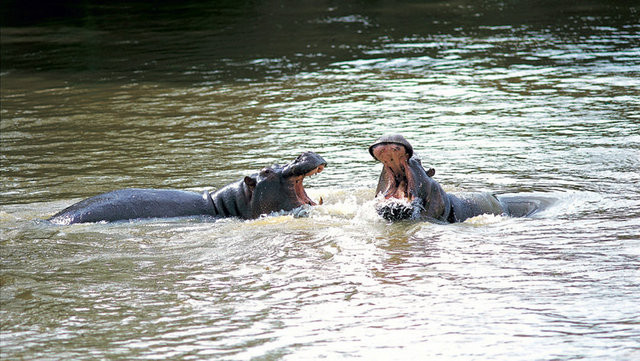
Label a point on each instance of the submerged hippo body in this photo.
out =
(410, 192)
(273, 189)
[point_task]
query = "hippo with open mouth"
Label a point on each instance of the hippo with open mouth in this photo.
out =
(408, 191)
(275, 188)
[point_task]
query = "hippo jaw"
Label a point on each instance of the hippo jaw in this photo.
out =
(397, 187)
(305, 165)
(406, 189)
(298, 189)
(280, 188)
(401, 188)
(397, 179)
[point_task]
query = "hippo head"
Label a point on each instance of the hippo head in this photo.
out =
(406, 190)
(278, 187)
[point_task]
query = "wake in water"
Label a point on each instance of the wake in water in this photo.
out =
(396, 209)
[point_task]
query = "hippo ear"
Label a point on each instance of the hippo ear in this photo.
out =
(251, 185)
(250, 182)
(431, 172)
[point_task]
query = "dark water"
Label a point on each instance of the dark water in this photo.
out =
(538, 98)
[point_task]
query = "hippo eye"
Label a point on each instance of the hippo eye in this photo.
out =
(265, 172)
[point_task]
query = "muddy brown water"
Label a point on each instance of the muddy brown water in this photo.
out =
(536, 98)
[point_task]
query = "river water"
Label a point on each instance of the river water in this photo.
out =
(537, 98)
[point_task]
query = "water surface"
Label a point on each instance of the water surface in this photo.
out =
(534, 98)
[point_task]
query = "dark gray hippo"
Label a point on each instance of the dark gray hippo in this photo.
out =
(274, 189)
(409, 191)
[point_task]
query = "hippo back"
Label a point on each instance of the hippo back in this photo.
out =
(136, 203)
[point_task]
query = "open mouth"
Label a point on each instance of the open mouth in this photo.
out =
(397, 179)
(306, 165)
(301, 194)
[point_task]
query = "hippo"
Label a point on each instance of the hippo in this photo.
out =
(408, 191)
(275, 188)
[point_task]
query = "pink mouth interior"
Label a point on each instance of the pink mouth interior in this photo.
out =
(396, 172)
(301, 194)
